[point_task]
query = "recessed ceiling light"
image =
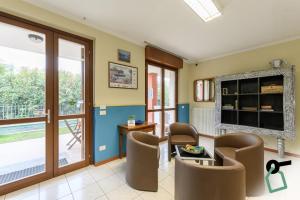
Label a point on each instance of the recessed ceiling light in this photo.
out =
(35, 38)
(206, 9)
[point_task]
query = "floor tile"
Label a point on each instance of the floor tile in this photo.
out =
(168, 184)
(161, 194)
(54, 188)
(69, 197)
(102, 198)
(80, 181)
(89, 193)
(162, 174)
(111, 183)
(138, 198)
(124, 192)
(100, 172)
(29, 193)
(122, 175)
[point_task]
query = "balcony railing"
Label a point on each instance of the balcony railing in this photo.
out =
(29, 111)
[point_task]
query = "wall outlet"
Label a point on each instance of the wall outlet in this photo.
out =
(102, 148)
(102, 112)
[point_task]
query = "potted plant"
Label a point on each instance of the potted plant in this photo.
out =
(131, 120)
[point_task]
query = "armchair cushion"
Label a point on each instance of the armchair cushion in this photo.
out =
(226, 152)
(183, 139)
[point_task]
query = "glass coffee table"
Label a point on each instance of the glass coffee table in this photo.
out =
(205, 156)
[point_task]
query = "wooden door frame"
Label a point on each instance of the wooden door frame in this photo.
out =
(48, 105)
(87, 118)
(49, 33)
(162, 110)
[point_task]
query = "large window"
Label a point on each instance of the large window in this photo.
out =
(161, 98)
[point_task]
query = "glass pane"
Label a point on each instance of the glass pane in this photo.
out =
(169, 89)
(212, 90)
(206, 90)
(154, 87)
(71, 63)
(71, 141)
(22, 151)
(169, 119)
(199, 90)
(22, 72)
(155, 117)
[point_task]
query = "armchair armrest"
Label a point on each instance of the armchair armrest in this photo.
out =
(150, 139)
(195, 133)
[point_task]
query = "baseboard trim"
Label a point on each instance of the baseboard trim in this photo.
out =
(285, 153)
(265, 148)
(108, 160)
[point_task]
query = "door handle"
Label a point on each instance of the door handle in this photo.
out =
(48, 114)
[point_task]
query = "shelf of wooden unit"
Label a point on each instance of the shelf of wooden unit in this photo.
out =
(248, 94)
(270, 93)
(248, 111)
(278, 112)
(229, 109)
(224, 95)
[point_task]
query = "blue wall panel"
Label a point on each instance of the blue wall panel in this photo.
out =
(183, 113)
(106, 130)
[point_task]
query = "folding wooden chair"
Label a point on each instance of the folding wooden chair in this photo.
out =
(75, 131)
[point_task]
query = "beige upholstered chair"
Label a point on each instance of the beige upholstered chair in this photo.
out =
(142, 161)
(198, 182)
(181, 134)
(247, 149)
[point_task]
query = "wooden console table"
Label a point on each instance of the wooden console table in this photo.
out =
(124, 129)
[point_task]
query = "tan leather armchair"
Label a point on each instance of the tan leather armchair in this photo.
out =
(142, 161)
(198, 182)
(247, 149)
(181, 134)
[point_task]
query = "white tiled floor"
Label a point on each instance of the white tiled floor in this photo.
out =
(107, 182)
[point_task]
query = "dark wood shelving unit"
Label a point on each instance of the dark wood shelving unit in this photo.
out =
(246, 93)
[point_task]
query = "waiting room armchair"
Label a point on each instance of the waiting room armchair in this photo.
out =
(248, 149)
(199, 182)
(181, 134)
(142, 161)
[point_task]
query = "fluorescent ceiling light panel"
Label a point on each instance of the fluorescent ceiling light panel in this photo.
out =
(206, 9)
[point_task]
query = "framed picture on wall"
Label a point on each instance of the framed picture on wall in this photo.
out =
(122, 76)
(123, 55)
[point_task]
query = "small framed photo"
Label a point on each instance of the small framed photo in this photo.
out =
(123, 55)
(122, 76)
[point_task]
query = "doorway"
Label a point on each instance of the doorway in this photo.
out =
(161, 97)
(45, 101)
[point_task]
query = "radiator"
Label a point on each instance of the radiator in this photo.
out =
(204, 120)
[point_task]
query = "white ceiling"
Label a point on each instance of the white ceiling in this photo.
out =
(172, 25)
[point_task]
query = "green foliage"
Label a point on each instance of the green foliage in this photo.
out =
(26, 86)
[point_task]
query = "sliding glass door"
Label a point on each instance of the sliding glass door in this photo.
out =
(44, 104)
(161, 98)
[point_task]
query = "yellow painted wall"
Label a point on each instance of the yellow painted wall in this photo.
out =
(183, 84)
(248, 61)
(105, 50)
